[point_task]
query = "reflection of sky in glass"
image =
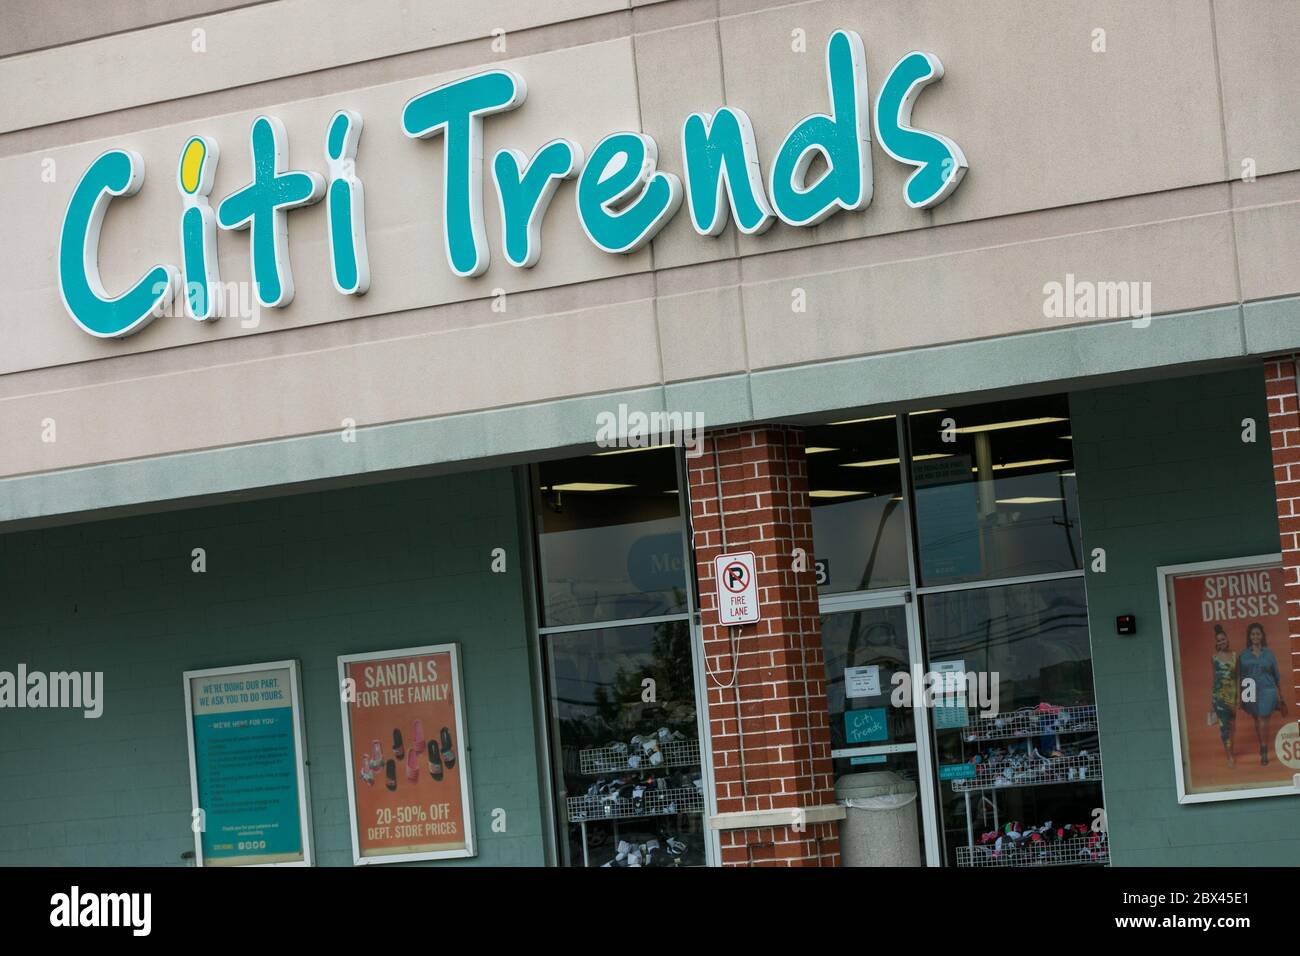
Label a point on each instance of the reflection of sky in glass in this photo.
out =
(613, 572)
(860, 534)
(1018, 631)
(1012, 537)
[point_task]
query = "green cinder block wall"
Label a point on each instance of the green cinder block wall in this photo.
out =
(1165, 478)
(307, 577)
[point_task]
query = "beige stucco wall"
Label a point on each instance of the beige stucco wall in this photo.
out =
(1115, 166)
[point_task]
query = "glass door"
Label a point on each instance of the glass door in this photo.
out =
(879, 729)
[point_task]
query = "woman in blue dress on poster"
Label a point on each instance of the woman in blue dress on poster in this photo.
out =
(1258, 664)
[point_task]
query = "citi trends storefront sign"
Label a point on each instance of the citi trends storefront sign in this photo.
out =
(623, 198)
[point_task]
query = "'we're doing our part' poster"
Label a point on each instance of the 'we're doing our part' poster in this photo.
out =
(251, 805)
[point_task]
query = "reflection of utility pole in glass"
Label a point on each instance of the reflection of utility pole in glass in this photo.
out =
(1065, 522)
(877, 539)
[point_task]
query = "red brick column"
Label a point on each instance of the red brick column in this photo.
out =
(1284, 434)
(767, 702)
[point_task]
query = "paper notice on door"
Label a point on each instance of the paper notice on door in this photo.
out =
(862, 681)
(950, 705)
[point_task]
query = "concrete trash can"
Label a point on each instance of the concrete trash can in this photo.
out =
(879, 828)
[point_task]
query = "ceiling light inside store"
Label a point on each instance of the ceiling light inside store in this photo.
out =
(829, 493)
(817, 450)
(875, 463)
(589, 486)
(859, 421)
(881, 418)
(628, 451)
(889, 461)
(998, 426)
(1029, 464)
(1027, 500)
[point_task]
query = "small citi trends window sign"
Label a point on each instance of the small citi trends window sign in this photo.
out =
(623, 199)
(737, 588)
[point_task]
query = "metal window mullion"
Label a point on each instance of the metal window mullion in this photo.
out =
(1000, 582)
(712, 838)
(621, 622)
(926, 770)
(552, 828)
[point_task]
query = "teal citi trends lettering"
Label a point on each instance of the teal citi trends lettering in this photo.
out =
(345, 205)
(843, 139)
(941, 163)
(623, 165)
(456, 110)
(720, 153)
(525, 188)
(262, 205)
(622, 198)
(117, 172)
(194, 175)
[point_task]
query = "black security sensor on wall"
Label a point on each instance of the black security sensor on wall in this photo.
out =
(1126, 624)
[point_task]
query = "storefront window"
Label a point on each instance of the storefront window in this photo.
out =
(1011, 775)
(625, 740)
(1016, 738)
(856, 490)
(610, 537)
(995, 491)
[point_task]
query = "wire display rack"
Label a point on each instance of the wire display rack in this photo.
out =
(1075, 852)
(617, 759)
(653, 803)
(1034, 723)
(1079, 768)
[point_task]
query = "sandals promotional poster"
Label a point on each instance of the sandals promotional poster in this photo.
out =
(1229, 644)
(403, 728)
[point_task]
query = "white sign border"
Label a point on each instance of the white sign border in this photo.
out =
(466, 790)
(718, 586)
(300, 751)
(1163, 574)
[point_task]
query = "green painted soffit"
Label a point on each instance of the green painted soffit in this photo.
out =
(520, 433)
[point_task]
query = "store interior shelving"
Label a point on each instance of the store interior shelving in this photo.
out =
(1043, 746)
(618, 759)
(1072, 853)
(652, 803)
(657, 780)
(1044, 772)
(1033, 723)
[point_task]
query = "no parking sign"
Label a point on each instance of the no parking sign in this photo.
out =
(737, 588)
